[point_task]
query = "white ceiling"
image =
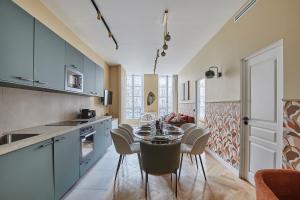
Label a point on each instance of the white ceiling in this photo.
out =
(137, 26)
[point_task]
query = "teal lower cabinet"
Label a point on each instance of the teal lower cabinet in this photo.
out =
(66, 162)
(99, 140)
(27, 173)
(107, 127)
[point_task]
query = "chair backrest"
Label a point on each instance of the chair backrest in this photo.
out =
(160, 159)
(185, 126)
(194, 134)
(186, 134)
(126, 134)
(200, 144)
(127, 127)
(121, 143)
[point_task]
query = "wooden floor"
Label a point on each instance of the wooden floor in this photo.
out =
(97, 184)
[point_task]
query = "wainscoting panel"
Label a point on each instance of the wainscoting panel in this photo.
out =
(291, 135)
(223, 120)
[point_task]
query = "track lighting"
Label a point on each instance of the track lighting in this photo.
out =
(211, 73)
(165, 46)
(163, 53)
(168, 37)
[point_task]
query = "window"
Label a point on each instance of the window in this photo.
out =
(201, 100)
(165, 95)
(135, 96)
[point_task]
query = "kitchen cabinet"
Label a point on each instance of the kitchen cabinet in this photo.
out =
(99, 81)
(28, 173)
(66, 162)
(99, 140)
(49, 58)
(107, 127)
(89, 77)
(73, 58)
(16, 44)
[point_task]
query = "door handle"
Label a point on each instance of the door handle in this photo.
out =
(40, 82)
(246, 120)
(44, 145)
(23, 79)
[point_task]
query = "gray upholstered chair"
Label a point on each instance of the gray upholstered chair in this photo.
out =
(185, 126)
(123, 147)
(189, 136)
(197, 148)
(129, 129)
(159, 159)
(186, 133)
(126, 134)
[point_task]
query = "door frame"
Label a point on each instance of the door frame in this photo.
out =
(244, 139)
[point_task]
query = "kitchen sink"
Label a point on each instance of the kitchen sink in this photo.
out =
(9, 138)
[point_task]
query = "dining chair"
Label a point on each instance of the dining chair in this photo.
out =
(123, 147)
(196, 148)
(126, 134)
(129, 129)
(159, 159)
(185, 126)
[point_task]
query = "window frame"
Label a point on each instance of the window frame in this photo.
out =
(167, 97)
(133, 96)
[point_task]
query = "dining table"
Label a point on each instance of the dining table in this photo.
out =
(166, 133)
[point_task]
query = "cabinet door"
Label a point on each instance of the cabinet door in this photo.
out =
(99, 81)
(66, 162)
(89, 77)
(107, 126)
(49, 58)
(99, 140)
(28, 173)
(16, 44)
(73, 58)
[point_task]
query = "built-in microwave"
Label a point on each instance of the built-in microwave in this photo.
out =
(73, 80)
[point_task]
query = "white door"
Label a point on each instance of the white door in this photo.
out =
(200, 102)
(262, 114)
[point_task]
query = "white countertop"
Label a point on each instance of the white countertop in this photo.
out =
(45, 133)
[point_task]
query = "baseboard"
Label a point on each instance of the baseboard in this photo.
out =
(223, 162)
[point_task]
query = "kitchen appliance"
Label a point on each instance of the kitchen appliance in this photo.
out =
(67, 123)
(87, 135)
(87, 113)
(107, 99)
(73, 79)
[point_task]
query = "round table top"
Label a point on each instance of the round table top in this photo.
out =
(168, 134)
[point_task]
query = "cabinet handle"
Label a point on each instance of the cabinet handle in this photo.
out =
(40, 82)
(44, 145)
(23, 79)
(59, 139)
(73, 66)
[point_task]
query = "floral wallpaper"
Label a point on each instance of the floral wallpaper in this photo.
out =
(223, 120)
(291, 135)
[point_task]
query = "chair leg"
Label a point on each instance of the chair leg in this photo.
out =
(196, 161)
(202, 167)
(180, 166)
(139, 157)
(191, 158)
(171, 178)
(146, 185)
(176, 184)
(118, 167)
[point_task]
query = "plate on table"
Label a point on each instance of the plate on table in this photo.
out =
(143, 132)
(172, 128)
(145, 128)
(173, 132)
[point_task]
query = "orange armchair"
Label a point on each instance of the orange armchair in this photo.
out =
(277, 184)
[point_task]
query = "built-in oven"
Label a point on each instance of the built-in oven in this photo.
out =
(87, 137)
(73, 79)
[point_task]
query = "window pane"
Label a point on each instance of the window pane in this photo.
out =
(129, 91)
(129, 80)
(129, 113)
(138, 81)
(137, 102)
(162, 92)
(137, 112)
(138, 91)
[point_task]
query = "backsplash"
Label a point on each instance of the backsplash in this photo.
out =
(291, 135)
(223, 120)
(187, 108)
(26, 108)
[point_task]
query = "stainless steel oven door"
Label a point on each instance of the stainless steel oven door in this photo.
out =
(87, 145)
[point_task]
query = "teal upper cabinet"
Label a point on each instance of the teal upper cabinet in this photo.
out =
(73, 58)
(89, 77)
(66, 162)
(16, 44)
(28, 173)
(99, 81)
(49, 58)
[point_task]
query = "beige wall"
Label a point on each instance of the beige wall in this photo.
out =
(151, 85)
(267, 22)
(24, 108)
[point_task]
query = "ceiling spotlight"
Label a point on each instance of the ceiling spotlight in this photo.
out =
(165, 46)
(163, 53)
(211, 73)
(168, 37)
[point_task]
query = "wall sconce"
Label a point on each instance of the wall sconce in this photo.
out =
(211, 73)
